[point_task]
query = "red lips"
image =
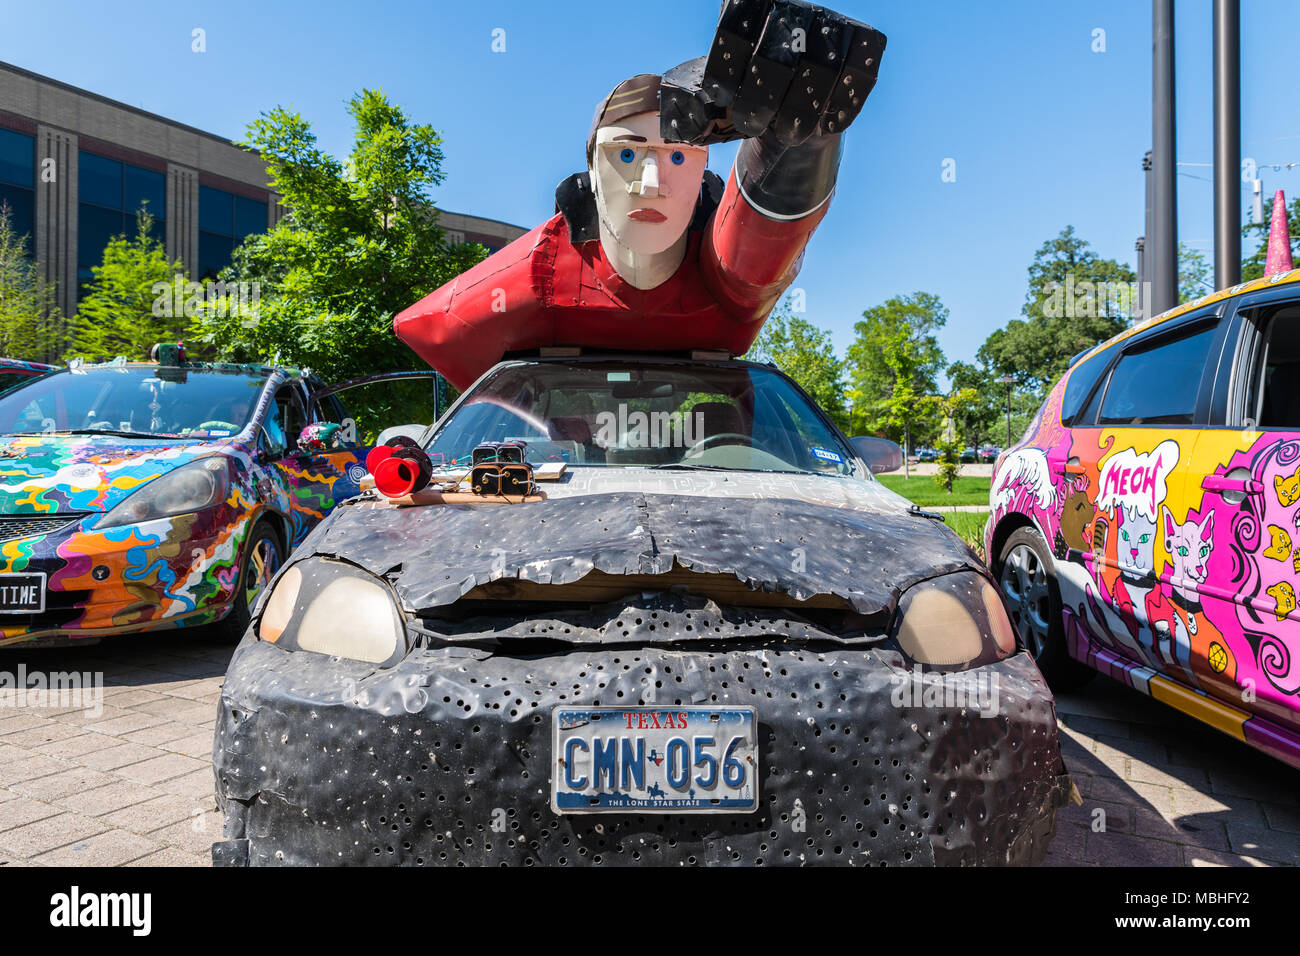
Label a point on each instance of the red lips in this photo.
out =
(647, 215)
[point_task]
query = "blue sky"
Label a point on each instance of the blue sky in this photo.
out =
(1044, 131)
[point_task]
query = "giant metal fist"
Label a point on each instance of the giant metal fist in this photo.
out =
(781, 67)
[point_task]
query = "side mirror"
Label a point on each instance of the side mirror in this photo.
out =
(880, 454)
(413, 432)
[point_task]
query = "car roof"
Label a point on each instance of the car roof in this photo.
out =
(257, 368)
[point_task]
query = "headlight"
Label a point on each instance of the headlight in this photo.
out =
(193, 487)
(954, 621)
(333, 608)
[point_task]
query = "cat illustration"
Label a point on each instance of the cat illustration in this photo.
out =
(1284, 595)
(1280, 549)
(1288, 489)
(1189, 545)
(1075, 518)
(1136, 549)
(1135, 552)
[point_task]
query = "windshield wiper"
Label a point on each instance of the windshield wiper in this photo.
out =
(116, 433)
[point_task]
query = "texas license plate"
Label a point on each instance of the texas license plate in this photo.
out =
(654, 760)
(22, 593)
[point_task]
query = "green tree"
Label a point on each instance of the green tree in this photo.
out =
(896, 359)
(1194, 278)
(909, 402)
(952, 408)
(1252, 266)
(360, 243)
(28, 318)
(1075, 299)
(119, 314)
(978, 417)
(803, 351)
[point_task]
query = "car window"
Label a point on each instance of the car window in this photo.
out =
(1159, 384)
(285, 419)
(1080, 385)
(646, 414)
(183, 402)
(1273, 398)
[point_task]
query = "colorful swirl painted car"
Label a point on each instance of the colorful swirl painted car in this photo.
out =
(140, 496)
(1148, 523)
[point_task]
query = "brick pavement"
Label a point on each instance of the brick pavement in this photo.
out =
(133, 784)
(1162, 789)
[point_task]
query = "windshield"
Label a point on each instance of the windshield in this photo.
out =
(143, 401)
(607, 414)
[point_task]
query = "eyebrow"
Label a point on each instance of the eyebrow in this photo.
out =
(628, 138)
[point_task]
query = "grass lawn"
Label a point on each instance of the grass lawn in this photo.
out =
(969, 526)
(924, 492)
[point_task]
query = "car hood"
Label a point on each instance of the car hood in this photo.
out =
(435, 555)
(48, 474)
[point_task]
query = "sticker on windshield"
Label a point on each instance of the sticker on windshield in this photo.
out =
(825, 455)
(218, 432)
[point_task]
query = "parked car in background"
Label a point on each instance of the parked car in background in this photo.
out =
(988, 454)
(137, 496)
(15, 372)
(1148, 524)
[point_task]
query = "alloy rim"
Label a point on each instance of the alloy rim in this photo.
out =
(1024, 584)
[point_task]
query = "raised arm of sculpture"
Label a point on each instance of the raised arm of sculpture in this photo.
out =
(648, 250)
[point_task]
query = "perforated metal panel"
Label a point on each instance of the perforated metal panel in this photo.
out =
(445, 759)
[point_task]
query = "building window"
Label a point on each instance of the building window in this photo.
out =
(109, 195)
(18, 183)
(225, 220)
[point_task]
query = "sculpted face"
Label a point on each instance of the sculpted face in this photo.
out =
(645, 189)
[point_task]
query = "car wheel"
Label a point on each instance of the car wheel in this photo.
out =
(1028, 582)
(262, 559)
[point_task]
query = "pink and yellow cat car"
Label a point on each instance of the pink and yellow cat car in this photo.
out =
(1146, 526)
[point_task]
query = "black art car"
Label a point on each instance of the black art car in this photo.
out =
(716, 639)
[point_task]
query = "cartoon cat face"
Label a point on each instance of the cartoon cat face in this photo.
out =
(1137, 542)
(1189, 546)
(1284, 595)
(1288, 489)
(1279, 548)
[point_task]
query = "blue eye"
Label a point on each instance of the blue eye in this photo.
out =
(627, 155)
(678, 158)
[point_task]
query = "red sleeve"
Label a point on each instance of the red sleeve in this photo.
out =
(750, 258)
(464, 328)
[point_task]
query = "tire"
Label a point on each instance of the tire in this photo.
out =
(262, 558)
(1027, 579)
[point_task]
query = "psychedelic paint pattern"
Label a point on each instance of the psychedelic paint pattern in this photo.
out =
(1176, 551)
(56, 491)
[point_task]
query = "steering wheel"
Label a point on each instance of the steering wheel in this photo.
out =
(700, 445)
(227, 426)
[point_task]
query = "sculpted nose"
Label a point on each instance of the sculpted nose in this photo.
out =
(650, 176)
